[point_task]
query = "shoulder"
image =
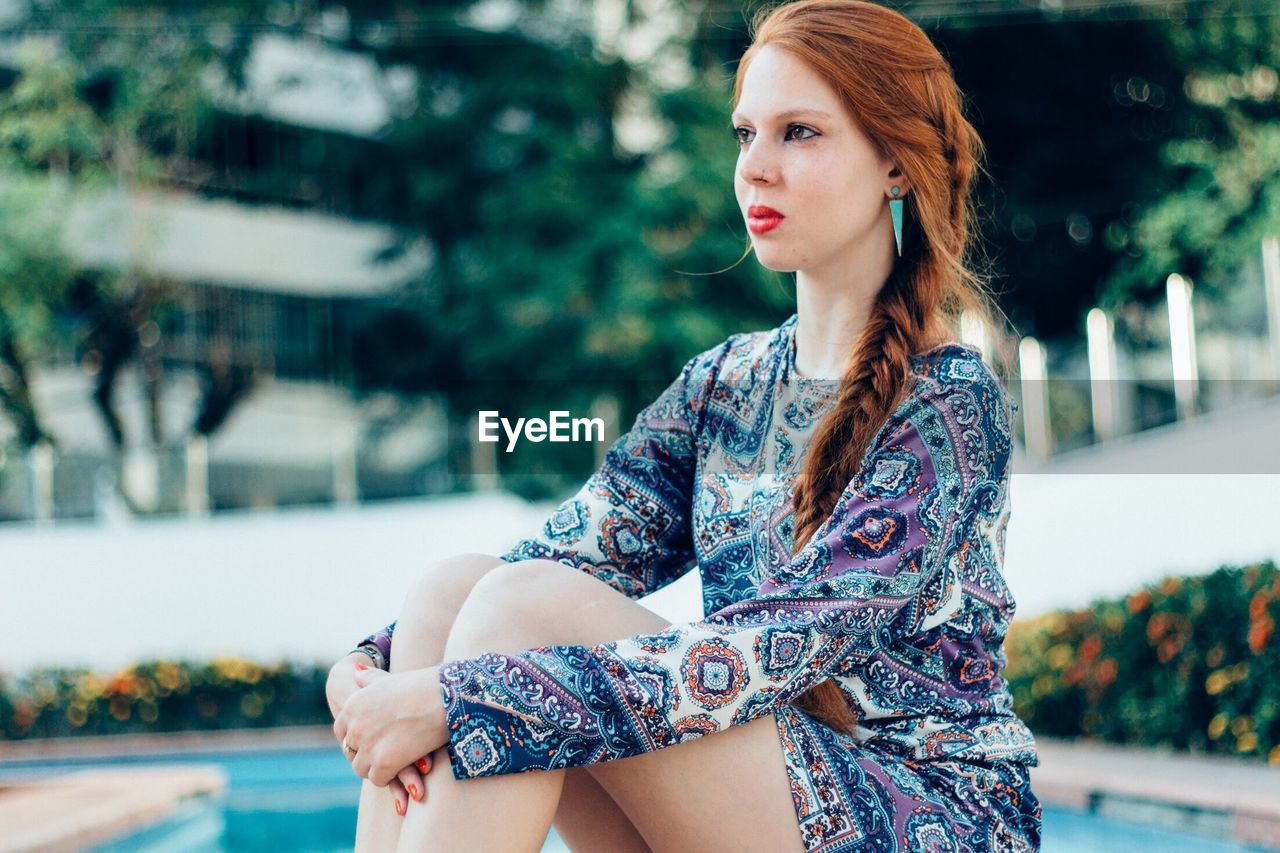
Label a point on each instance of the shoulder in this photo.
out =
(740, 356)
(956, 376)
(962, 409)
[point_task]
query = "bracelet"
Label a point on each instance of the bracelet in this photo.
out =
(374, 653)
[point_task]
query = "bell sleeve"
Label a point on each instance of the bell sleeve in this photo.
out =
(629, 525)
(885, 564)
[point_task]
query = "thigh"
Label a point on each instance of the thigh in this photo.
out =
(589, 820)
(724, 791)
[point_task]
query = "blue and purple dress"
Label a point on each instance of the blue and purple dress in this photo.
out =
(898, 596)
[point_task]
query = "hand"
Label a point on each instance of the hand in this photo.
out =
(342, 681)
(340, 687)
(391, 721)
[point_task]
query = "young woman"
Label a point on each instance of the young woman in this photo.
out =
(841, 484)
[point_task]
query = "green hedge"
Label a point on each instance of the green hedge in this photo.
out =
(225, 693)
(1189, 663)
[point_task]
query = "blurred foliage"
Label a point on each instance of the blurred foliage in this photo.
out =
(1123, 145)
(34, 278)
(1221, 195)
(159, 696)
(1185, 663)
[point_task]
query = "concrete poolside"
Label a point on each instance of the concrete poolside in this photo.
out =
(52, 811)
(1228, 798)
(72, 811)
(1222, 797)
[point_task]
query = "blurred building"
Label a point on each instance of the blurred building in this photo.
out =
(275, 243)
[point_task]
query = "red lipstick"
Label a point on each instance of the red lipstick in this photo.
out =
(761, 218)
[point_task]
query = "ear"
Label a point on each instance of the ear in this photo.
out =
(896, 178)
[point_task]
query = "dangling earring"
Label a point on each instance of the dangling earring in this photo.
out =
(895, 210)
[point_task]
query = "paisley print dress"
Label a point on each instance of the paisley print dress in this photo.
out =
(898, 596)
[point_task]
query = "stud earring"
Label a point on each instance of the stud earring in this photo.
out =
(895, 210)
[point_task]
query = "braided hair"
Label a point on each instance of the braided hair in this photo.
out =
(903, 94)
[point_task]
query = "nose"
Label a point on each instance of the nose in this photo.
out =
(757, 164)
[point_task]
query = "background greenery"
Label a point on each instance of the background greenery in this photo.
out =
(1126, 141)
(1186, 663)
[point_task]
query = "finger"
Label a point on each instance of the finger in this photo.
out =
(367, 675)
(412, 781)
(399, 797)
(362, 765)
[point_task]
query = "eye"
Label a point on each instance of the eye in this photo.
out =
(738, 131)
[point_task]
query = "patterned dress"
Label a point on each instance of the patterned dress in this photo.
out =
(898, 596)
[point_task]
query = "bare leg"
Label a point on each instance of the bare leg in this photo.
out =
(586, 818)
(727, 791)
(434, 599)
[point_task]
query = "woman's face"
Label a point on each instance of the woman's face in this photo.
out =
(801, 154)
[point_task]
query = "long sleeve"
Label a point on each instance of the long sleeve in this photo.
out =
(381, 641)
(629, 523)
(884, 565)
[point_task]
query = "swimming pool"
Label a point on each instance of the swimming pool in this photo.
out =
(304, 801)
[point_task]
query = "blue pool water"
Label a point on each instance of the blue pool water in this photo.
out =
(304, 801)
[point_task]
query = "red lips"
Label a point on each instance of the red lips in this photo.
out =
(761, 218)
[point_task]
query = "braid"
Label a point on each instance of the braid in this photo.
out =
(873, 387)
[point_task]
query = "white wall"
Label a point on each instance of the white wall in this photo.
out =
(310, 583)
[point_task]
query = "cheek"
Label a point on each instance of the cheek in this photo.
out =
(840, 200)
(741, 187)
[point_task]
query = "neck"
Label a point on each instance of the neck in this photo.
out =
(833, 304)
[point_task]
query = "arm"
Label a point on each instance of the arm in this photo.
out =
(628, 525)
(882, 566)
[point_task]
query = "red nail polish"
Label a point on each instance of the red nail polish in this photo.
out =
(399, 809)
(361, 666)
(413, 791)
(422, 764)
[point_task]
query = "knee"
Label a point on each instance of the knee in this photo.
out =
(444, 585)
(508, 609)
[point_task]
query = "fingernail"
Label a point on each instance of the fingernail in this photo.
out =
(413, 792)
(399, 809)
(361, 666)
(422, 764)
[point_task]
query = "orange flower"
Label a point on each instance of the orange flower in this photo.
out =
(1258, 604)
(1139, 601)
(1090, 646)
(1156, 626)
(1106, 672)
(1259, 633)
(1168, 647)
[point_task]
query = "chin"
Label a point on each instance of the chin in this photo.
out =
(775, 261)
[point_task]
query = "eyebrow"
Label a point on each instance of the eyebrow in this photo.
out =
(803, 111)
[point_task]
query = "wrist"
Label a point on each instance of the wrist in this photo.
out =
(369, 654)
(437, 721)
